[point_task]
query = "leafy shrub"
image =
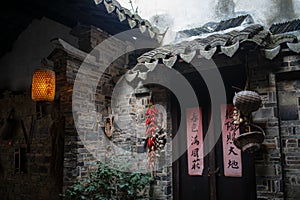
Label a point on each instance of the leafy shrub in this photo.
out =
(108, 183)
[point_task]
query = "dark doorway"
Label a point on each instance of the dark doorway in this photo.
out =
(212, 185)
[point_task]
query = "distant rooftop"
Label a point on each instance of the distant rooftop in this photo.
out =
(285, 27)
(218, 26)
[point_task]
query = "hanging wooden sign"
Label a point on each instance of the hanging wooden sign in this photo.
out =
(231, 154)
(194, 141)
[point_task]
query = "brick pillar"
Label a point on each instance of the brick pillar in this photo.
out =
(78, 160)
(267, 159)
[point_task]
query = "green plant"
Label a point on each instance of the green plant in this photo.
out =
(107, 183)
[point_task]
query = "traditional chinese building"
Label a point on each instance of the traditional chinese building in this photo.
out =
(53, 145)
(37, 160)
(248, 56)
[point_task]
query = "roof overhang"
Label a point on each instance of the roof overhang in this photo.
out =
(224, 42)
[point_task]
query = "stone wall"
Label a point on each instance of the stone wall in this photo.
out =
(30, 163)
(95, 96)
(277, 162)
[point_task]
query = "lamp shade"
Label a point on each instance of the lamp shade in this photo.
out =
(43, 85)
(247, 101)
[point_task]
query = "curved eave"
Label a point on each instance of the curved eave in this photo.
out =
(227, 43)
(133, 20)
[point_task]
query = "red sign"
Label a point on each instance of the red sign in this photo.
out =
(231, 154)
(194, 141)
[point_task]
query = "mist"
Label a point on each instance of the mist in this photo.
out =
(194, 13)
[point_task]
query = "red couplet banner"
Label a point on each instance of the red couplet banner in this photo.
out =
(194, 141)
(231, 154)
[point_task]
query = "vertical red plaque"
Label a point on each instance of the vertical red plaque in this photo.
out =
(231, 154)
(194, 141)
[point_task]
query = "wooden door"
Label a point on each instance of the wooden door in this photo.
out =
(212, 185)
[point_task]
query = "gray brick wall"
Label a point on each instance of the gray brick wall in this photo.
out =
(278, 160)
(126, 144)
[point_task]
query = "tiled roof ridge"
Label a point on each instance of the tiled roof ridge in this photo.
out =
(218, 26)
(285, 27)
(227, 43)
(226, 23)
(243, 16)
(134, 20)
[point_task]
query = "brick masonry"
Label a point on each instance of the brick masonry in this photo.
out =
(277, 163)
(37, 172)
(85, 141)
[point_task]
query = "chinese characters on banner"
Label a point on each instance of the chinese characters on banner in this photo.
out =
(194, 141)
(231, 154)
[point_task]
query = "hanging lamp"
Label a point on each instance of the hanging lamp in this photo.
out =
(43, 85)
(245, 103)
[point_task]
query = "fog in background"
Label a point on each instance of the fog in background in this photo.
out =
(184, 14)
